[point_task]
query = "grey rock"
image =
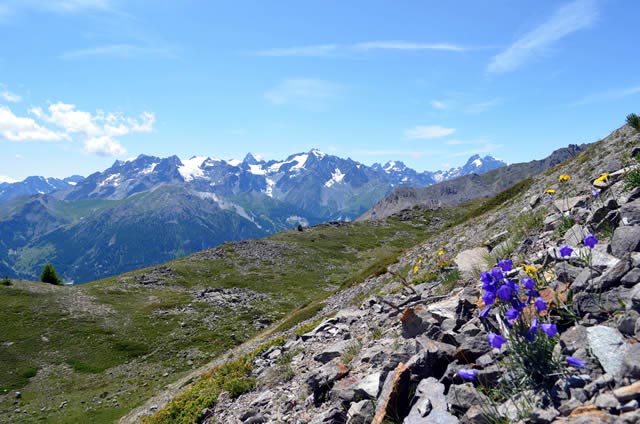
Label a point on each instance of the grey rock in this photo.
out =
(429, 401)
(575, 235)
(629, 406)
(625, 239)
(631, 361)
(490, 376)
(369, 386)
(606, 401)
(579, 394)
(602, 304)
(263, 399)
(606, 344)
(544, 416)
(600, 259)
(472, 348)
(566, 407)
(584, 278)
(361, 412)
(416, 321)
(566, 272)
(572, 339)
(627, 323)
(631, 278)
(334, 415)
(565, 205)
(604, 381)
(627, 393)
(632, 417)
(323, 378)
(468, 261)
(630, 213)
(334, 350)
(612, 276)
(461, 397)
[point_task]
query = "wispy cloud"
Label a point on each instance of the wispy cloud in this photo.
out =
(486, 148)
(481, 107)
(608, 95)
(437, 104)
(307, 93)
(116, 50)
(427, 132)
(572, 17)
(311, 51)
(407, 45)
(10, 97)
(326, 50)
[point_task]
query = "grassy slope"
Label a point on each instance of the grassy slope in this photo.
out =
(106, 346)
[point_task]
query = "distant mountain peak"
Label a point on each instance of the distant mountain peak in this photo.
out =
(250, 159)
(317, 153)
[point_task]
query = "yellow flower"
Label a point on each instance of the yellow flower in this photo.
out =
(416, 268)
(603, 179)
(420, 260)
(564, 178)
(551, 191)
(530, 270)
(440, 252)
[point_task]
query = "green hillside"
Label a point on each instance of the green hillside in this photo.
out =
(94, 352)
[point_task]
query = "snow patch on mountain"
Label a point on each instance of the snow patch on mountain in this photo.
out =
(477, 163)
(148, 170)
(112, 180)
(269, 190)
(336, 177)
(190, 168)
(257, 170)
(234, 162)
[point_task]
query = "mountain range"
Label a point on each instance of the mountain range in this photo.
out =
(149, 210)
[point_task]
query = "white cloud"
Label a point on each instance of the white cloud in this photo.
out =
(10, 97)
(325, 50)
(307, 93)
(482, 106)
(16, 128)
(438, 104)
(4, 179)
(104, 146)
(608, 95)
(429, 131)
(98, 130)
(568, 19)
(407, 45)
(312, 51)
(116, 50)
(69, 6)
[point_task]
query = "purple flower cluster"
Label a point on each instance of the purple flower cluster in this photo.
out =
(512, 298)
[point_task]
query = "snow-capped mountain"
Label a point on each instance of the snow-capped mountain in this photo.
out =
(149, 210)
(35, 185)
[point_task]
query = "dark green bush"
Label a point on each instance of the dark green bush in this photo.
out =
(634, 121)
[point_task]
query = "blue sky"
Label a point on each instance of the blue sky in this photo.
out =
(85, 82)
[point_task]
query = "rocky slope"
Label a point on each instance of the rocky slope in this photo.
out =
(421, 352)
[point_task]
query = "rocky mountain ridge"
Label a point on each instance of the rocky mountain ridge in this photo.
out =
(150, 210)
(411, 350)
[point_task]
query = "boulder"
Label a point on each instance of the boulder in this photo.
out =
(607, 345)
(625, 239)
(334, 350)
(429, 404)
(361, 412)
(631, 361)
(394, 395)
(471, 260)
(416, 321)
(461, 397)
(630, 213)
